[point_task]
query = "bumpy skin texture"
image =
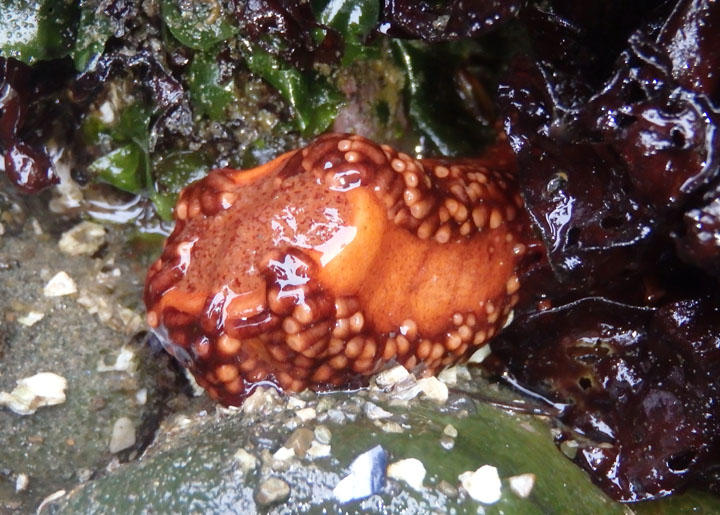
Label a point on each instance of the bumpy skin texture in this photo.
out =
(321, 267)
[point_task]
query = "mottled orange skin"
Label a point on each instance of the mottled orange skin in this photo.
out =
(321, 267)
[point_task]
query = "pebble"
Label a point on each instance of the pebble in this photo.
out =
(447, 489)
(50, 499)
(36, 227)
(449, 376)
(450, 431)
(391, 376)
(522, 484)
(60, 284)
(463, 373)
(569, 448)
(324, 404)
(86, 238)
(21, 482)
(483, 484)
(83, 474)
(196, 389)
(300, 441)
(392, 427)
(366, 477)
(434, 389)
(31, 393)
(271, 491)
(141, 396)
(31, 318)
(284, 453)
(405, 391)
(447, 442)
(480, 354)
(375, 412)
(124, 362)
(323, 434)
(245, 460)
(335, 416)
(510, 318)
(295, 403)
(306, 414)
(261, 400)
(410, 470)
(318, 450)
(123, 435)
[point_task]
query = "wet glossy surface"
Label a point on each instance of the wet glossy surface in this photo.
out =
(321, 266)
(617, 142)
(636, 386)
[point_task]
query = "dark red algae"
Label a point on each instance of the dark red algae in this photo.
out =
(26, 161)
(639, 387)
(619, 167)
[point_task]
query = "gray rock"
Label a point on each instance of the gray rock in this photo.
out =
(51, 446)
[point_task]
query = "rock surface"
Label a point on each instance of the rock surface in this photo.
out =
(188, 453)
(59, 446)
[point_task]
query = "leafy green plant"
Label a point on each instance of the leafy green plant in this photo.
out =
(434, 105)
(197, 25)
(35, 30)
(354, 20)
(174, 171)
(208, 93)
(313, 99)
(128, 166)
(94, 29)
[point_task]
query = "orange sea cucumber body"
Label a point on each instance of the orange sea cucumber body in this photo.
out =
(322, 266)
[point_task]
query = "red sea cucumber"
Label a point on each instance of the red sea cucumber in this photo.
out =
(320, 267)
